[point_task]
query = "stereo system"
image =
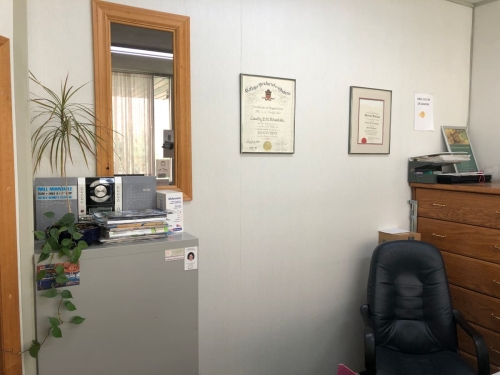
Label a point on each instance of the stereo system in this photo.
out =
(87, 195)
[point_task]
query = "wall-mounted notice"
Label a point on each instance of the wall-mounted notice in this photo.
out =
(424, 112)
(56, 192)
(267, 115)
(191, 258)
(175, 254)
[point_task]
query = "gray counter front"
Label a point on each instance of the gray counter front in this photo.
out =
(141, 313)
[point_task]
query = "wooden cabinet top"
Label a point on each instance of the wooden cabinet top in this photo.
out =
(482, 188)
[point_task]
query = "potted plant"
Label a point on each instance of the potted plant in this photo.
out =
(65, 127)
(63, 238)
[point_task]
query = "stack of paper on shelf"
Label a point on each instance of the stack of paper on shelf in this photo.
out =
(443, 157)
(131, 225)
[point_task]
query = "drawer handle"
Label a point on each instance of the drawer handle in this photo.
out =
(496, 282)
(497, 247)
(496, 317)
(493, 350)
(445, 205)
(438, 235)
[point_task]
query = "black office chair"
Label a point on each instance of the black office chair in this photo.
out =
(409, 319)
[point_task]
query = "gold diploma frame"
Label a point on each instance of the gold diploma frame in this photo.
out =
(370, 121)
(267, 108)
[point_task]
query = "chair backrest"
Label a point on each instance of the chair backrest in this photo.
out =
(409, 298)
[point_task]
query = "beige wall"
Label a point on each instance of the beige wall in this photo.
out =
(485, 86)
(285, 241)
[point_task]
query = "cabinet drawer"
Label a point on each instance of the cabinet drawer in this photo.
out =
(466, 344)
(464, 239)
(477, 308)
(468, 208)
(472, 274)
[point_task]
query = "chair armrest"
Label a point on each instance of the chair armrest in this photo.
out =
(369, 341)
(482, 353)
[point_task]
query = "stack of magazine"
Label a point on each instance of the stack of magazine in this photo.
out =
(131, 225)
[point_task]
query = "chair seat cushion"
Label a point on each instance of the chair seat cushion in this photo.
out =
(390, 362)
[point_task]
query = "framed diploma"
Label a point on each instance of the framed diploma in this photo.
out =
(267, 115)
(370, 121)
(457, 140)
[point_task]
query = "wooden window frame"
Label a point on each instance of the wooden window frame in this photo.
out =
(103, 14)
(10, 325)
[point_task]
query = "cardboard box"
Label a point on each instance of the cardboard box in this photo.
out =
(172, 202)
(344, 370)
(397, 234)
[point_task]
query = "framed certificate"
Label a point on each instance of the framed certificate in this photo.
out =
(370, 121)
(457, 140)
(267, 115)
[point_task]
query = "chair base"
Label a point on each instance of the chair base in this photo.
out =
(391, 362)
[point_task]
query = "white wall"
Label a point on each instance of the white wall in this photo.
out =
(285, 241)
(6, 18)
(485, 86)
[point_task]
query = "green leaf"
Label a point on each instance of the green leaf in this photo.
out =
(77, 320)
(51, 293)
(66, 251)
(33, 350)
(66, 242)
(59, 269)
(54, 233)
(77, 235)
(53, 243)
(66, 294)
(61, 279)
(56, 332)
(77, 253)
(43, 257)
(40, 235)
(69, 306)
(63, 229)
(68, 219)
(54, 322)
(40, 275)
(49, 214)
(72, 229)
(82, 245)
(46, 249)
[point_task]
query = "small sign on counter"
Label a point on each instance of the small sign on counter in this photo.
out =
(191, 258)
(175, 254)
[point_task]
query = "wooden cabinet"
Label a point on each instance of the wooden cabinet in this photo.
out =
(463, 221)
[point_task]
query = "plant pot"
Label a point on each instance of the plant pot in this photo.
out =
(90, 232)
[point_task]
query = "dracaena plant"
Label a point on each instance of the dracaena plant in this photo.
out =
(65, 126)
(62, 239)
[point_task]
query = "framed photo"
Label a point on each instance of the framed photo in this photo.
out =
(457, 140)
(267, 115)
(370, 121)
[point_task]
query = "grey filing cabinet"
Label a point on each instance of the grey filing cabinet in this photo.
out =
(141, 313)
